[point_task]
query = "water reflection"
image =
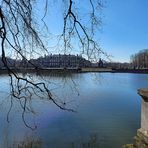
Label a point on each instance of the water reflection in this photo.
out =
(107, 105)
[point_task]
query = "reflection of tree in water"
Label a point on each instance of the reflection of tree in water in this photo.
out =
(29, 142)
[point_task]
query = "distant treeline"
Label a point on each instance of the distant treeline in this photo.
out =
(140, 59)
(137, 61)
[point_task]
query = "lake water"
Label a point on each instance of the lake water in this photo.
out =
(107, 111)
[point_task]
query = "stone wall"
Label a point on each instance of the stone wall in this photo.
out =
(141, 139)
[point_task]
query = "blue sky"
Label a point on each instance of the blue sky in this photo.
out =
(125, 28)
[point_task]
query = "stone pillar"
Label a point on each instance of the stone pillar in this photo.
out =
(144, 109)
(141, 140)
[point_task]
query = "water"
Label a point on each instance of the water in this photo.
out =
(107, 111)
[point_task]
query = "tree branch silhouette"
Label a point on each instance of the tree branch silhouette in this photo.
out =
(19, 33)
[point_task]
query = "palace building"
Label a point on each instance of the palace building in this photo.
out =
(61, 61)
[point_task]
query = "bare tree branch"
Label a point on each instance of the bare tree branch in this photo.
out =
(19, 32)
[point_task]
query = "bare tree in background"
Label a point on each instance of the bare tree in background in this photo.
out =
(22, 36)
(140, 59)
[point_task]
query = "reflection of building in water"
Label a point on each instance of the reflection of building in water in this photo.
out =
(59, 60)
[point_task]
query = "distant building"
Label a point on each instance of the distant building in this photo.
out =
(10, 62)
(118, 65)
(59, 60)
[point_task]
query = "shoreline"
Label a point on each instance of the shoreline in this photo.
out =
(76, 70)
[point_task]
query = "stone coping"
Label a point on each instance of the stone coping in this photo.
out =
(143, 92)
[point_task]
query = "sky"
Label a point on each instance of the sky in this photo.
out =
(125, 28)
(124, 25)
